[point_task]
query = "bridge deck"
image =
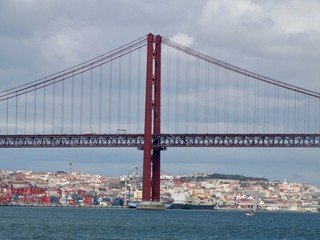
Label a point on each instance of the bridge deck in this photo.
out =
(162, 141)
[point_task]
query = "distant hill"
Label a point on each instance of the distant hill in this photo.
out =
(228, 176)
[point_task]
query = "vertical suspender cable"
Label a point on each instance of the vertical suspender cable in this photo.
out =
(62, 109)
(16, 125)
(210, 100)
(295, 113)
(267, 108)
(274, 109)
(53, 104)
(177, 91)
(308, 115)
(100, 99)
(237, 102)
(235, 105)
(315, 115)
(119, 95)
(168, 90)
(129, 93)
(305, 113)
(91, 99)
(255, 106)
(72, 101)
(265, 117)
(197, 97)
(288, 114)
(25, 111)
(35, 111)
(298, 110)
(110, 97)
(44, 110)
(258, 105)
(7, 117)
(206, 96)
(278, 108)
(244, 103)
(216, 105)
(81, 103)
(285, 112)
(139, 90)
(318, 120)
(188, 92)
(225, 120)
(248, 115)
(227, 101)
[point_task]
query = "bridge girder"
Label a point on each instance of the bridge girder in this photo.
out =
(160, 141)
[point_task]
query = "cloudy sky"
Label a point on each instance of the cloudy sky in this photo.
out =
(279, 39)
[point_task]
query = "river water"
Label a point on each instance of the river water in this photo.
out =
(103, 223)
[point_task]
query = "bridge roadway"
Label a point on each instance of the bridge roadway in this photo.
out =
(161, 141)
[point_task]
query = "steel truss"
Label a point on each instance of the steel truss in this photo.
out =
(161, 141)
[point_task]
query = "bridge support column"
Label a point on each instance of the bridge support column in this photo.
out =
(156, 166)
(146, 180)
(151, 157)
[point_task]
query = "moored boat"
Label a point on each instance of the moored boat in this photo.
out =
(133, 204)
(149, 205)
(191, 206)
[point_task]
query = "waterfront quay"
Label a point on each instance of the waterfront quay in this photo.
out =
(59, 205)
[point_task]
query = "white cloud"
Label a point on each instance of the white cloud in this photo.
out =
(297, 16)
(183, 39)
(61, 47)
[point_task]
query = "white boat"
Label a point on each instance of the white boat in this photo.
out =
(132, 204)
(254, 209)
(251, 213)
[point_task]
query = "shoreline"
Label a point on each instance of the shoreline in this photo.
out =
(127, 207)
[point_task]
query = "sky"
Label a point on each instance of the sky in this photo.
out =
(278, 39)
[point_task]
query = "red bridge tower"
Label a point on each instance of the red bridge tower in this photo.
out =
(152, 122)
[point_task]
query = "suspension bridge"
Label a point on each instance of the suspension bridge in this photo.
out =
(152, 94)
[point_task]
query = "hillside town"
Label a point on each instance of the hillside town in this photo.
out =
(27, 188)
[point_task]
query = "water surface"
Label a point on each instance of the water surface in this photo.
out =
(102, 223)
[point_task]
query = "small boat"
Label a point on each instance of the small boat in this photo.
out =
(254, 209)
(251, 213)
(135, 204)
(216, 207)
(191, 206)
(132, 204)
